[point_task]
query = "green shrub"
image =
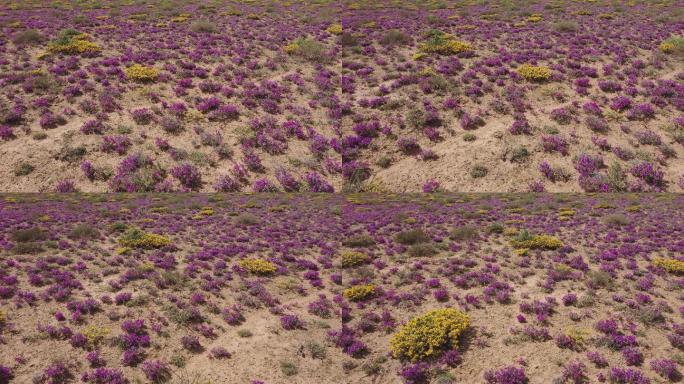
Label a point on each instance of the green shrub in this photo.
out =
(495, 228)
(358, 241)
(413, 236)
(23, 169)
(246, 219)
(317, 351)
(565, 26)
(347, 40)
(203, 26)
(308, 49)
(466, 232)
(616, 220)
(84, 231)
(384, 162)
(478, 171)
(29, 37)
(118, 227)
(244, 333)
(29, 235)
(520, 155)
(395, 37)
(422, 250)
(288, 368)
(27, 248)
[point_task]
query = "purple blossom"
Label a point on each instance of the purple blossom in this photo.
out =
(290, 322)
(620, 103)
(188, 175)
(414, 373)
(554, 143)
(431, 186)
(627, 376)
(506, 375)
(156, 370)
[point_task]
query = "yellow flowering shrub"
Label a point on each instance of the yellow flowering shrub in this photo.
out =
(123, 251)
(136, 238)
(183, 17)
(443, 44)
(535, 18)
(3, 317)
(94, 334)
(419, 56)
(670, 265)
(525, 240)
(578, 335)
(534, 73)
(510, 231)
(672, 45)
(607, 16)
(666, 47)
(193, 115)
(141, 73)
(566, 212)
(603, 205)
(335, 29)
(291, 48)
(633, 208)
(145, 266)
(73, 45)
(427, 71)
(257, 266)
(353, 258)
(429, 334)
(359, 292)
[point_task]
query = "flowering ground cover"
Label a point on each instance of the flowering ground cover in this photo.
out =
(163, 95)
(359, 288)
(135, 96)
(497, 96)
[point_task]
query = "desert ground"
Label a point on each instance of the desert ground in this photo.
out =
(517, 288)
